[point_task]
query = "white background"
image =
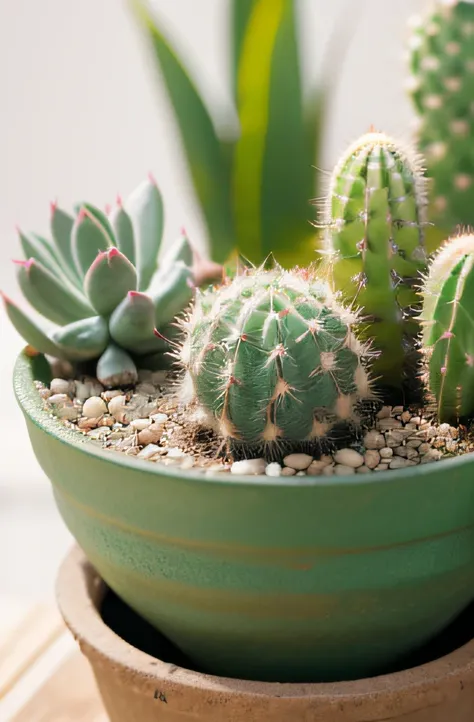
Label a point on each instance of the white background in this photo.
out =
(82, 116)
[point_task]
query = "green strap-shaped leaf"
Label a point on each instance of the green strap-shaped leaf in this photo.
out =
(29, 330)
(108, 280)
(82, 340)
(89, 238)
(241, 11)
(123, 229)
(49, 296)
(61, 230)
(132, 324)
(100, 217)
(272, 173)
(145, 208)
(203, 150)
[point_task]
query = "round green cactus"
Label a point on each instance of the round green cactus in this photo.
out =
(442, 89)
(448, 323)
(375, 250)
(90, 281)
(273, 361)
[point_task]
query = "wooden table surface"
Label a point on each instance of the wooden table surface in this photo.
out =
(43, 676)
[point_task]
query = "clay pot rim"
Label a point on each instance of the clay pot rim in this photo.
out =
(80, 590)
(32, 406)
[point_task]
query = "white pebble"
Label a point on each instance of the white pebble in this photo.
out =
(300, 462)
(405, 417)
(374, 440)
(59, 400)
(82, 390)
(381, 467)
(69, 413)
(399, 463)
(140, 424)
(424, 448)
(342, 470)
(386, 424)
(414, 443)
(349, 457)
(176, 453)
(187, 463)
(111, 394)
(286, 471)
(301, 473)
(159, 418)
(100, 433)
(316, 467)
(94, 407)
(371, 458)
(386, 453)
(273, 469)
(60, 386)
(391, 441)
(117, 407)
(148, 451)
(431, 455)
(44, 393)
(363, 470)
(249, 467)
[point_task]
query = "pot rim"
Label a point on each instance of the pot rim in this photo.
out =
(80, 589)
(31, 405)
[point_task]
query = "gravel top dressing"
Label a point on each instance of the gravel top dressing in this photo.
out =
(149, 422)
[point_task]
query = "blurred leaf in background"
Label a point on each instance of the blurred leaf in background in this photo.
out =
(254, 190)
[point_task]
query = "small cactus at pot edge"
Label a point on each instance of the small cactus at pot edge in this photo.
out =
(98, 281)
(273, 362)
(375, 250)
(442, 89)
(448, 328)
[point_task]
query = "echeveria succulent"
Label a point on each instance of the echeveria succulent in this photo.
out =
(99, 283)
(272, 360)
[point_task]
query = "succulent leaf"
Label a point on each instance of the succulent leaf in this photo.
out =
(116, 368)
(89, 237)
(180, 250)
(133, 322)
(203, 148)
(123, 230)
(100, 217)
(110, 277)
(82, 340)
(29, 330)
(375, 250)
(270, 107)
(48, 296)
(34, 246)
(145, 207)
(61, 230)
(172, 292)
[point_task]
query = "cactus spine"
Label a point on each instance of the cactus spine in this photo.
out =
(273, 360)
(442, 89)
(375, 249)
(448, 319)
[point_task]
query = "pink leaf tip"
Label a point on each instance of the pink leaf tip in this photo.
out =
(53, 206)
(152, 178)
(119, 200)
(135, 294)
(447, 335)
(444, 370)
(26, 264)
(160, 335)
(113, 252)
(81, 215)
(108, 208)
(183, 231)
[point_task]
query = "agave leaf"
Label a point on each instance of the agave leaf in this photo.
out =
(82, 340)
(180, 250)
(240, 13)
(30, 331)
(132, 324)
(272, 174)
(145, 208)
(123, 230)
(172, 291)
(116, 368)
(49, 296)
(110, 277)
(61, 231)
(201, 143)
(100, 217)
(88, 239)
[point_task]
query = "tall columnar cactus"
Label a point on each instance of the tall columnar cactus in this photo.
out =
(98, 281)
(272, 359)
(442, 88)
(375, 249)
(448, 335)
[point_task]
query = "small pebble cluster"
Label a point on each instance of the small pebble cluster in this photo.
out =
(147, 422)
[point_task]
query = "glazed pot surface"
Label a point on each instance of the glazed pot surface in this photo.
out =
(139, 687)
(288, 580)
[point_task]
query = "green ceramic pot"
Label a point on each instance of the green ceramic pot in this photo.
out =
(306, 579)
